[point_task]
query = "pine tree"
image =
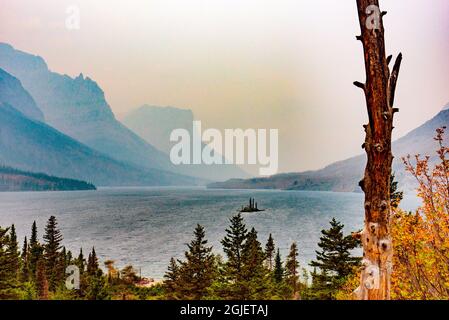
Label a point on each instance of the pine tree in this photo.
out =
(96, 283)
(35, 251)
(80, 261)
(171, 279)
(13, 249)
(25, 266)
(269, 252)
(8, 279)
(68, 258)
(52, 254)
(395, 195)
(92, 263)
(198, 270)
(233, 244)
(335, 260)
(278, 273)
(291, 267)
(253, 284)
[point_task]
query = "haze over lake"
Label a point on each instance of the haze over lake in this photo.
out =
(145, 227)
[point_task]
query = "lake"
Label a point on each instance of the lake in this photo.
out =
(145, 227)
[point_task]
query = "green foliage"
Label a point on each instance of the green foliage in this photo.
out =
(54, 261)
(335, 261)
(395, 195)
(278, 273)
(253, 283)
(269, 252)
(233, 244)
(198, 270)
(8, 268)
(247, 272)
(291, 268)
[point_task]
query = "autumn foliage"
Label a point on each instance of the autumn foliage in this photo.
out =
(421, 239)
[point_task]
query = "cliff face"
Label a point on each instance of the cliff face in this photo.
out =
(77, 107)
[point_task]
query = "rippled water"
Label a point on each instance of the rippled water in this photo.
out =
(146, 226)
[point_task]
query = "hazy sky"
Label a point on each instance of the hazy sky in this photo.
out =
(286, 64)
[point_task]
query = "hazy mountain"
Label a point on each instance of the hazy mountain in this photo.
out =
(77, 107)
(31, 145)
(155, 124)
(345, 175)
(11, 92)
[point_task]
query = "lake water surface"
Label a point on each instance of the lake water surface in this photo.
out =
(145, 227)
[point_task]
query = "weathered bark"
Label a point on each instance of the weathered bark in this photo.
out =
(379, 91)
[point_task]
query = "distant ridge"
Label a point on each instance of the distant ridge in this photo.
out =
(31, 145)
(345, 175)
(18, 180)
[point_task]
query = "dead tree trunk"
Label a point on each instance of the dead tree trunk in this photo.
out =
(379, 91)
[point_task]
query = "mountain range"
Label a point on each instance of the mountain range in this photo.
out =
(345, 175)
(29, 144)
(77, 107)
(63, 126)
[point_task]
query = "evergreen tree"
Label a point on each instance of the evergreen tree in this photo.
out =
(80, 261)
(233, 244)
(335, 260)
(269, 252)
(96, 288)
(25, 271)
(92, 263)
(320, 288)
(198, 270)
(291, 267)
(52, 254)
(395, 195)
(35, 252)
(68, 258)
(278, 272)
(14, 252)
(8, 273)
(171, 279)
(253, 284)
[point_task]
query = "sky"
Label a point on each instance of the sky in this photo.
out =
(285, 64)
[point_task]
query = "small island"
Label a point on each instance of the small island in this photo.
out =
(252, 207)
